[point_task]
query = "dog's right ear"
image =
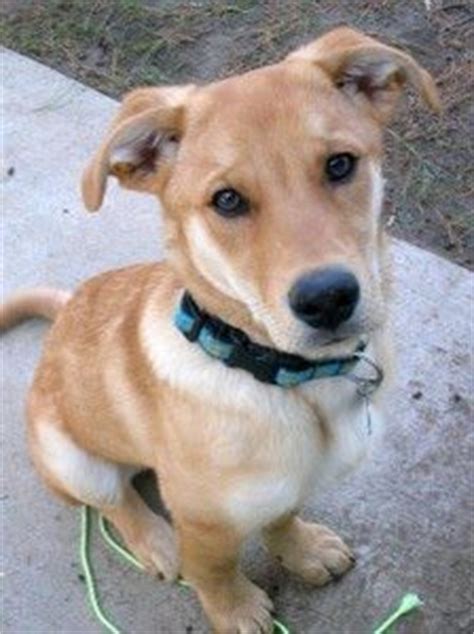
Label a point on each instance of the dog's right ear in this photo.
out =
(143, 137)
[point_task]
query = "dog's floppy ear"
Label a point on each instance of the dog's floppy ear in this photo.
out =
(145, 133)
(371, 73)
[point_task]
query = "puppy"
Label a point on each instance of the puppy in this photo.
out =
(225, 368)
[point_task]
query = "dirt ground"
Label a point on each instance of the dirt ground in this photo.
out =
(114, 45)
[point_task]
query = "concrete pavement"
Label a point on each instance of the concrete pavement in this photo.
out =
(408, 513)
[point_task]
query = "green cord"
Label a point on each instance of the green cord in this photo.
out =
(123, 552)
(278, 627)
(114, 544)
(88, 573)
(408, 603)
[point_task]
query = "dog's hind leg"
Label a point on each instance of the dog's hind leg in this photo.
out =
(149, 536)
(83, 478)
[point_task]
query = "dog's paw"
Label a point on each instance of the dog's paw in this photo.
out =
(242, 609)
(155, 548)
(313, 552)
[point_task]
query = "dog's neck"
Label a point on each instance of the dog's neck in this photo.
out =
(214, 302)
(234, 348)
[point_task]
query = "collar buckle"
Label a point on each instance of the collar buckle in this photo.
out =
(255, 359)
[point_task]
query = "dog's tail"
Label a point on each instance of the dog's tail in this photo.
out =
(37, 302)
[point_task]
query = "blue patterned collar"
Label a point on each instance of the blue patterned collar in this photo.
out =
(268, 365)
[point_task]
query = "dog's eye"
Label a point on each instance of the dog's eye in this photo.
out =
(229, 202)
(340, 166)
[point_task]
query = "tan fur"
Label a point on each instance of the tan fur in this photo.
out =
(38, 302)
(119, 389)
(311, 551)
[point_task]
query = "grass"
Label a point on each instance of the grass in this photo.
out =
(115, 45)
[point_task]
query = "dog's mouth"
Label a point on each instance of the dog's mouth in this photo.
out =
(324, 337)
(334, 340)
(320, 343)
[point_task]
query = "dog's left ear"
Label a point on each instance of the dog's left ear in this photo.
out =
(371, 73)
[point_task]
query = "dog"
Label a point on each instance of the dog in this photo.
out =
(225, 368)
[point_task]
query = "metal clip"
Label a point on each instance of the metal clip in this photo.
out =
(368, 415)
(366, 385)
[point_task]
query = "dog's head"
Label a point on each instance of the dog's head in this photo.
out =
(271, 185)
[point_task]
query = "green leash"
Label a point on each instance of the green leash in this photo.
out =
(88, 573)
(91, 585)
(408, 603)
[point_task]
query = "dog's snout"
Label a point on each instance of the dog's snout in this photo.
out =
(325, 298)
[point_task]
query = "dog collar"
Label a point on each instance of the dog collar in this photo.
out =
(268, 365)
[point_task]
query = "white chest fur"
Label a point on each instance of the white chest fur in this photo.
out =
(276, 443)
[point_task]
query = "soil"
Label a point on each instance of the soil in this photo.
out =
(114, 45)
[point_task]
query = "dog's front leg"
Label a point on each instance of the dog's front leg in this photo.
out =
(209, 556)
(309, 550)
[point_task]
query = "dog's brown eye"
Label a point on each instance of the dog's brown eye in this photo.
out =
(340, 166)
(229, 202)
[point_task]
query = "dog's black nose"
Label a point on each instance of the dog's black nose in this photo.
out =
(325, 298)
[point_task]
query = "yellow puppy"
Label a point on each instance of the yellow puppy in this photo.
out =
(234, 392)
